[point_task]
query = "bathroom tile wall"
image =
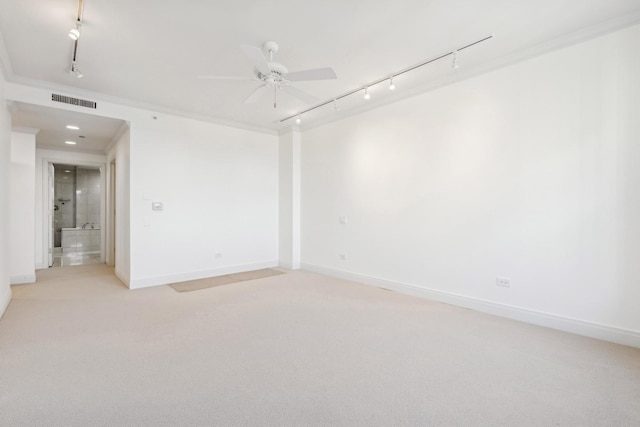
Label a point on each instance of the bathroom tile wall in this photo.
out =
(82, 241)
(63, 216)
(88, 197)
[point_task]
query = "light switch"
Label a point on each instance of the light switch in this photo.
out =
(156, 206)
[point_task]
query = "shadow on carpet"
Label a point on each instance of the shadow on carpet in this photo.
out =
(211, 282)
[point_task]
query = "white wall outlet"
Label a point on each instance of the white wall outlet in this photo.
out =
(505, 282)
(342, 257)
(343, 219)
(157, 206)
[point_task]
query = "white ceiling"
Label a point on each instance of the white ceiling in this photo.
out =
(149, 53)
(94, 136)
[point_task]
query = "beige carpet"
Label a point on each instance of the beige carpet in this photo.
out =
(210, 282)
(296, 349)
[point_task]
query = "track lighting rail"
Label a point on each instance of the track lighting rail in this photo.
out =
(389, 77)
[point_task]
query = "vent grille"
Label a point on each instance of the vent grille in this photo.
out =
(73, 101)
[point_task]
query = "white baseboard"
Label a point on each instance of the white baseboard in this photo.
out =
(124, 278)
(549, 320)
(23, 278)
(5, 299)
(289, 266)
(195, 275)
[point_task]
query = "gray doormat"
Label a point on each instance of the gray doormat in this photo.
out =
(210, 282)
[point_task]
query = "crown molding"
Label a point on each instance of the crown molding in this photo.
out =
(461, 74)
(124, 127)
(155, 109)
(5, 63)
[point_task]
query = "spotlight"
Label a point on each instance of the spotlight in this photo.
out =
(454, 64)
(298, 119)
(76, 71)
(366, 93)
(74, 34)
(391, 85)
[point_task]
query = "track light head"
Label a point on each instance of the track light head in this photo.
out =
(298, 119)
(454, 63)
(366, 93)
(76, 71)
(391, 85)
(74, 33)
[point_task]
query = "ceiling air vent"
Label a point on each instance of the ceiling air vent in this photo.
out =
(73, 101)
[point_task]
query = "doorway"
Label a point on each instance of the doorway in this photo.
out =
(76, 224)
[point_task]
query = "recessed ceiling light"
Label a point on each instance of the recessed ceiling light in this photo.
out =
(67, 171)
(70, 142)
(72, 127)
(81, 136)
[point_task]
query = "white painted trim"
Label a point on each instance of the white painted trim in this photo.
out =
(30, 131)
(6, 68)
(525, 54)
(127, 102)
(288, 266)
(195, 275)
(22, 279)
(124, 128)
(4, 301)
(549, 320)
(124, 278)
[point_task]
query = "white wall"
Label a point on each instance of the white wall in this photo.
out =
(289, 200)
(22, 201)
(528, 172)
(5, 164)
(219, 189)
(219, 186)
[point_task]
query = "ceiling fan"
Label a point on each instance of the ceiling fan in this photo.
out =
(275, 76)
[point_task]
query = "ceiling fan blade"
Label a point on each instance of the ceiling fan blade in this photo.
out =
(256, 94)
(326, 73)
(257, 58)
(303, 96)
(227, 78)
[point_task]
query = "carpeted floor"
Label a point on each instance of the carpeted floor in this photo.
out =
(297, 349)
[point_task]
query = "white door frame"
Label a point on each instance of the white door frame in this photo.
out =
(51, 189)
(46, 161)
